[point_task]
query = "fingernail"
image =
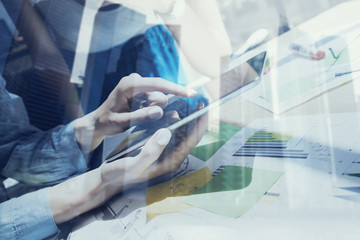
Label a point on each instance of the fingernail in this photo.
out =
(200, 106)
(163, 137)
(155, 113)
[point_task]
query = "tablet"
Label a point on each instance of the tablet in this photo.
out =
(212, 94)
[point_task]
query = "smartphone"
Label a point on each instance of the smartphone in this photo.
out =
(229, 85)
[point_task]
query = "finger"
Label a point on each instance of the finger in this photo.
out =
(131, 170)
(149, 99)
(157, 99)
(201, 105)
(139, 116)
(153, 149)
(136, 84)
(172, 117)
(175, 158)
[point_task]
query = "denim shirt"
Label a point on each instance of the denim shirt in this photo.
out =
(27, 217)
(33, 156)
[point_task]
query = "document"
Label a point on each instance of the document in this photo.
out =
(293, 78)
(168, 197)
(234, 190)
(214, 140)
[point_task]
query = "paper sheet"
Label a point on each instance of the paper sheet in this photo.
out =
(168, 197)
(214, 140)
(234, 190)
(293, 80)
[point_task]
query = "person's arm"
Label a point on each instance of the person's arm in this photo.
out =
(27, 217)
(80, 194)
(85, 192)
(30, 155)
(48, 157)
(40, 157)
(35, 215)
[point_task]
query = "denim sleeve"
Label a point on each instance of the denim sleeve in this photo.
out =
(42, 157)
(33, 156)
(27, 217)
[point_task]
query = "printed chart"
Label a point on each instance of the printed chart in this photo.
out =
(295, 78)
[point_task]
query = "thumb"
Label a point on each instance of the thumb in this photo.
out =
(133, 169)
(153, 148)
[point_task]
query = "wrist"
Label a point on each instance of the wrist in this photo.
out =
(86, 134)
(76, 196)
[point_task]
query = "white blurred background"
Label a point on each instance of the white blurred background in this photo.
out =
(244, 17)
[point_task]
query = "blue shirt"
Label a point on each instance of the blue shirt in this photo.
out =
(27, 217)
(33, 156)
